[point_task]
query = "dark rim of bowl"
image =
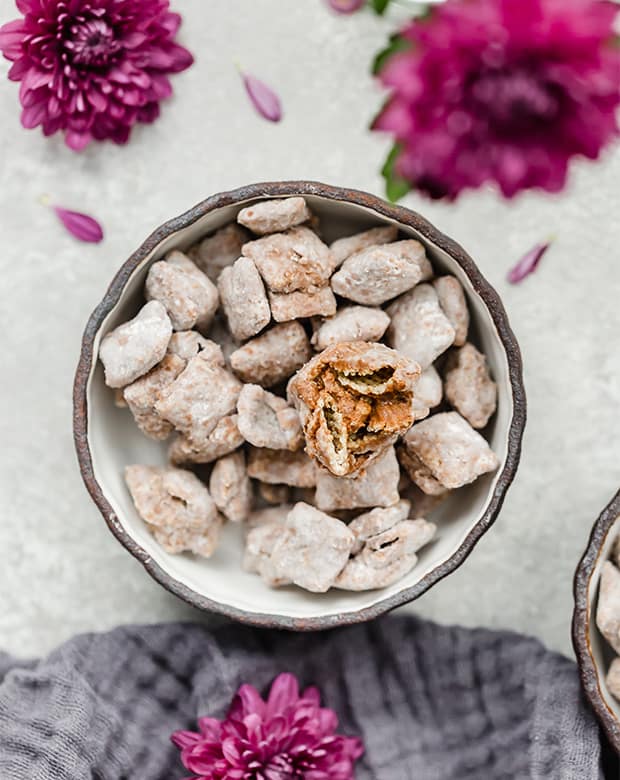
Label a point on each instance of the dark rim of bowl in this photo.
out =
(583, 622)
(381, 208)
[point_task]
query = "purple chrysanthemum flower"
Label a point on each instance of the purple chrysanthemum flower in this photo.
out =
(288, 737)
(92, 68)
(504, 91)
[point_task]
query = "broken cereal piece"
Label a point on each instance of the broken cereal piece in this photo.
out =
(244, 299)
(350, 245)
(419, 329)
(222, 440)
(142, 395)
(452, 300)
(312, 549)
(353, 323)
(189, 296)
(281, 467)
(299, 304)
(177, 508)
(469, 387)
(133, 348)
(219, 250)
(198, 399)
(375, 485)
(608, 609)
(354, 400)
(450, 449)
(266, 420)
(294, 260)
(379, 273)
(230, 487)
(274, 216)
(273, 356)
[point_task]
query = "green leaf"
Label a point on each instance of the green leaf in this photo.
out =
(379, 6)
(395, 186)
(397, 44)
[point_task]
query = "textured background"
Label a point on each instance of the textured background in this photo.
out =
(61, 571)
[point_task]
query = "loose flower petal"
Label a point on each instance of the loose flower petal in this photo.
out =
(81, 226)
(263, 98)
(528, 263)
(346, 6)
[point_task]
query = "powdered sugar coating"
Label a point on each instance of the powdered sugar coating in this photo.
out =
(353, 323)
(266, 420)
(282, 467)
(142, 395)
(274, 216)
(219, 250)
(454, 305)
(190, 297)
(312, 548)
(377, 274)
(419, 329)
(427, 393)
(198, 399)
(133, 348)
(244, 299)
(469, 387)
(350, 245)
(176, 506)
(230, 488)
(223, 439)
(294, 260)
(453, 452)
(375, 485)
(188, 343)
(296, 305)
(273, 356)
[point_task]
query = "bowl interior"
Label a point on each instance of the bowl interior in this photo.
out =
(602, 653)
(115, 442)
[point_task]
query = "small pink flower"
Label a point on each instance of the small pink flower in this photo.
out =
(288, 736)
(263, 98)
(504, 91)
(92, 68)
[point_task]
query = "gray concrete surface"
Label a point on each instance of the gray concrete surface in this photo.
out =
(61, 571)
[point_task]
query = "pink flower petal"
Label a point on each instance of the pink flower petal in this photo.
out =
(263, 98)
(81, 226)
(346, 6)
(528, 263)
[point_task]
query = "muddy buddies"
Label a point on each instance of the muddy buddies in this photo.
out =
(325, 396)
(608, 614)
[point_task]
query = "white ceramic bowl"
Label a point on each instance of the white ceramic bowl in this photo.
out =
(594, 655)
(107, 439)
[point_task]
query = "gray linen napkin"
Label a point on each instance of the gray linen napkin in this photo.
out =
(429, 702)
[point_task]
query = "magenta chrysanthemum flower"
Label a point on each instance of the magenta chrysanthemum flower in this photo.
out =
(288, 737)
(504, 91)
(92, 68)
